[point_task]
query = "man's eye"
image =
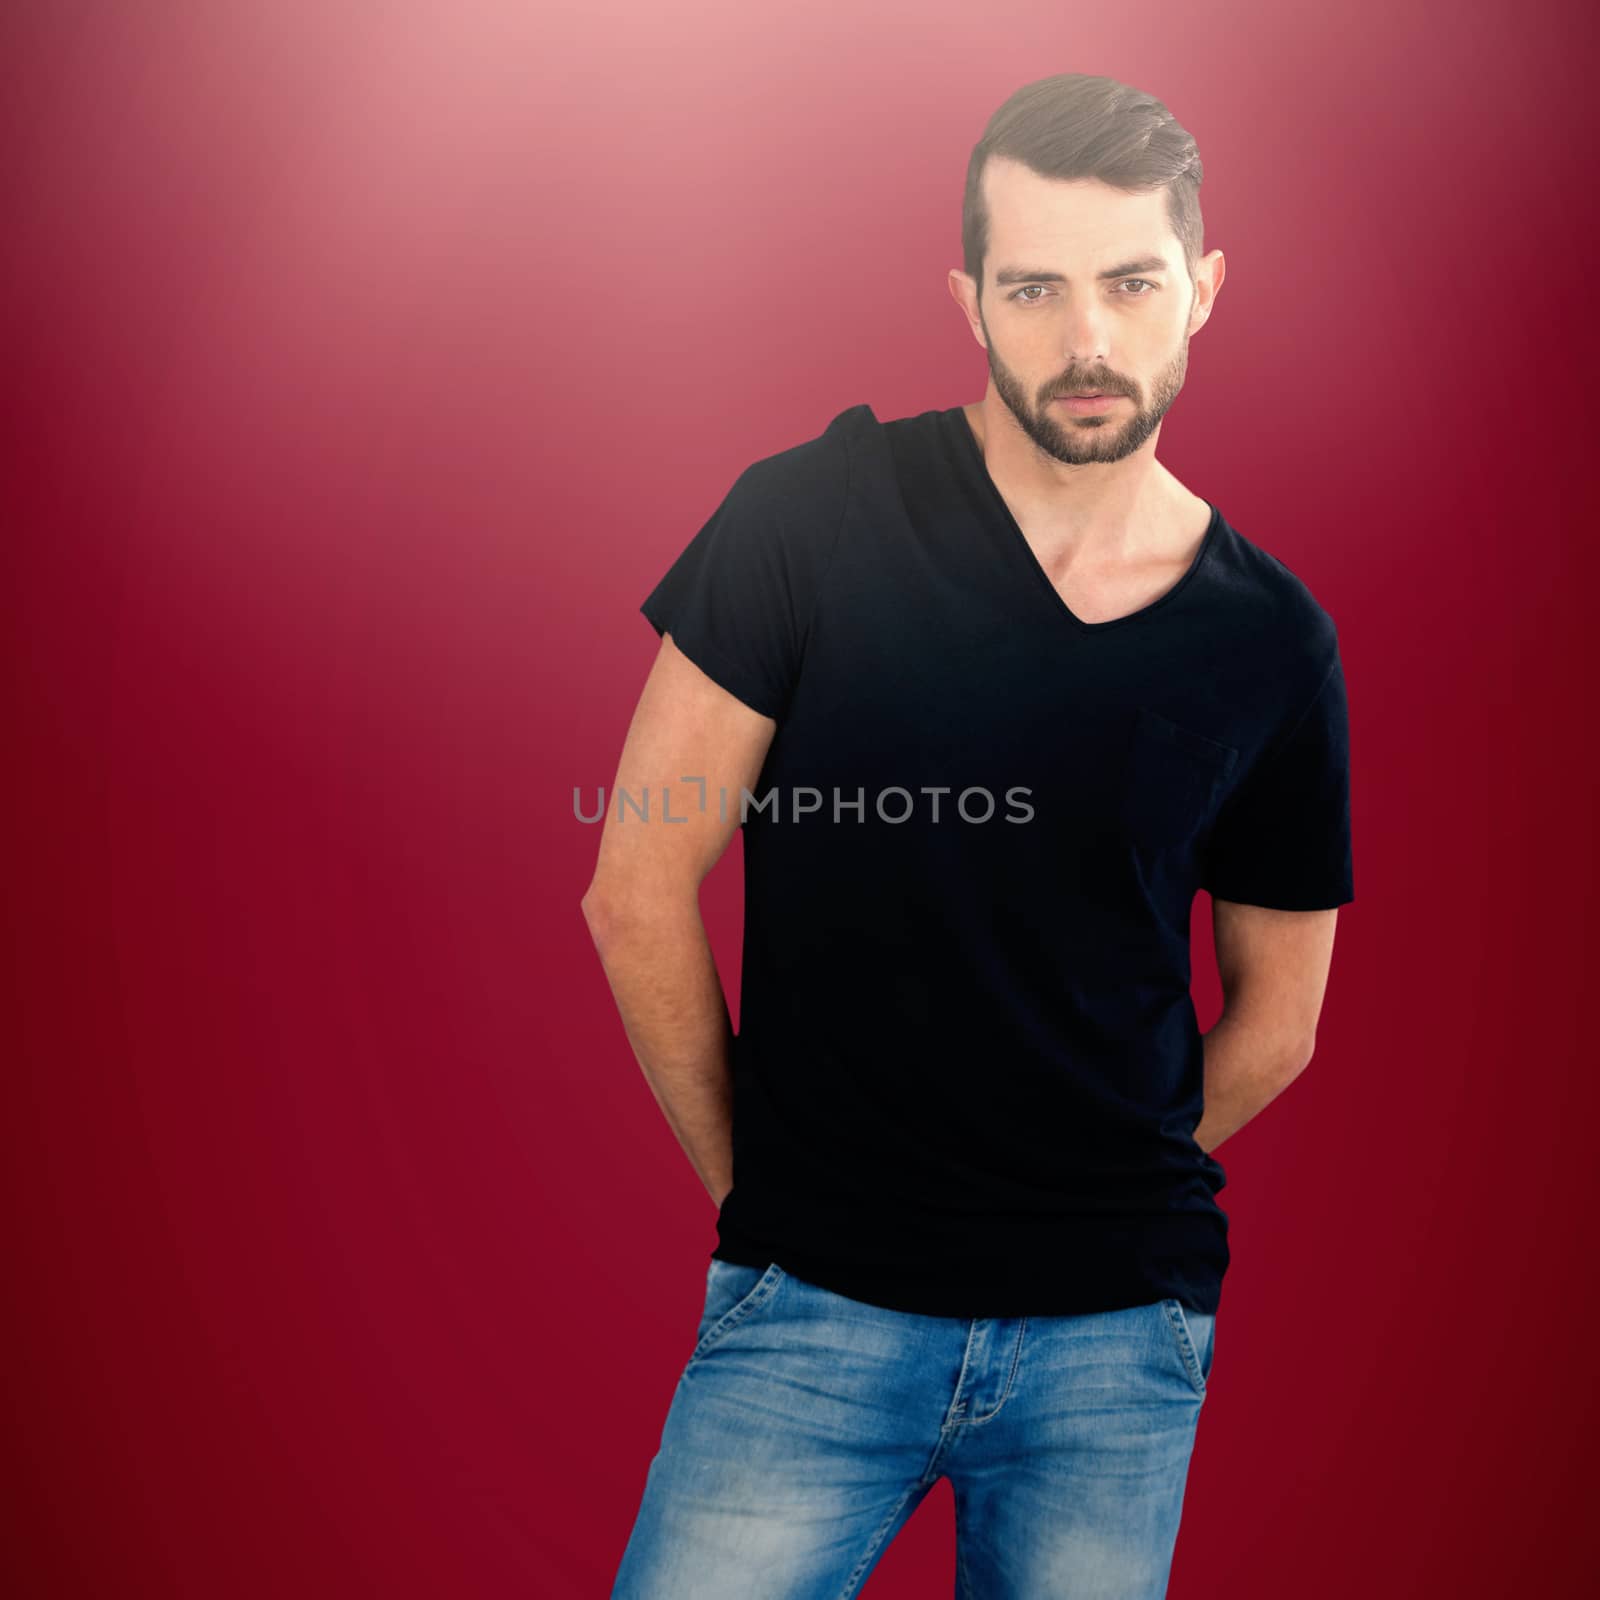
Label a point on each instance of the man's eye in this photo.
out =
(1030, 300)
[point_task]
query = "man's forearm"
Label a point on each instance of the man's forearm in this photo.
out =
(1247, 1066)
(664, 979)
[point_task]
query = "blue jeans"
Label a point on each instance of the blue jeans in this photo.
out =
(807, 1427)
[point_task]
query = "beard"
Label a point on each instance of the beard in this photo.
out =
(1082, 440)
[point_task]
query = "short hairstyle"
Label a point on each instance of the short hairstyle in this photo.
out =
(1077, 125)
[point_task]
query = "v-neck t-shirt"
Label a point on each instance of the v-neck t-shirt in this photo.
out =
(968, 1067)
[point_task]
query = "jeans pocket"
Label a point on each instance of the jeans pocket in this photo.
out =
(1194, 1336)
(733, 1293)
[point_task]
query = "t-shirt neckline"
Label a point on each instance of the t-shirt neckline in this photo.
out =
(989, 493)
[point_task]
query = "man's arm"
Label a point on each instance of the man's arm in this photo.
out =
(643, 903)
(1274, 971)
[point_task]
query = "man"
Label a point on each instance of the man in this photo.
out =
(992, 695)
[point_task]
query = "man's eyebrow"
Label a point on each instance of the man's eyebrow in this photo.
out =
(1123, 269)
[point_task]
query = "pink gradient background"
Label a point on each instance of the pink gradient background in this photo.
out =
(366, 366)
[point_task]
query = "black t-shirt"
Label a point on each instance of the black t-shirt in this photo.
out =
(968, 1067)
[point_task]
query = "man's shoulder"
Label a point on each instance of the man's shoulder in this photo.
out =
(790, 504)
(816, 466)
(1274, 600)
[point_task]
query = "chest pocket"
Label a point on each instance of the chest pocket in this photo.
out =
(1171, 782)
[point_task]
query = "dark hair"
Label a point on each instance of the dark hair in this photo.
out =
(1076, 125)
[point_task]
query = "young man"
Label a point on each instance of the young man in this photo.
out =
(992, 695)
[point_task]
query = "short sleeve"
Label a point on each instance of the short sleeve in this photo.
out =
(1282, 839)
(739, 598)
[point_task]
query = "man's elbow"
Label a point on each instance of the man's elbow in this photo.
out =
(605, 911)
(1298, 1056)
(1280, 1051)
(594, 915)
(611, 913)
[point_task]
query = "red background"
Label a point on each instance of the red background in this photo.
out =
(365, 367)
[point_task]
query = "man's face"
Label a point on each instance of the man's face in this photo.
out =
(1084, 289)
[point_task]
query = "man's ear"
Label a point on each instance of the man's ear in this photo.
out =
(965, 294)
(1208, 280)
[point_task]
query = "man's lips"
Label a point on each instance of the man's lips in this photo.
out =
(1086, 402)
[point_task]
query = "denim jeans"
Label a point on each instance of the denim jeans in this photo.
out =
(807, 1427)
